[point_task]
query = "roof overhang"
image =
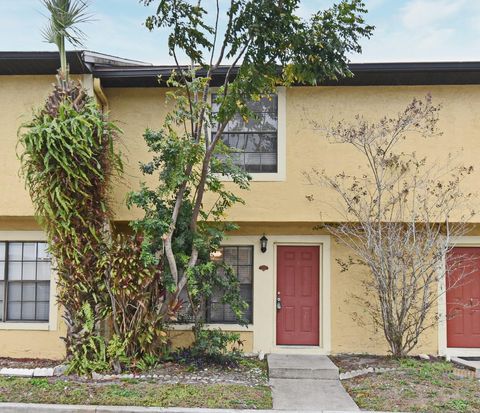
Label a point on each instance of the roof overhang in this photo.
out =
(47, 63)
(365, 74)
(118, 72)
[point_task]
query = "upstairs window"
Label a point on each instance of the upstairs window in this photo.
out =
(25, 269)
(255, 142)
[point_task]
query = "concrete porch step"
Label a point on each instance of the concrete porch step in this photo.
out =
(289, 366)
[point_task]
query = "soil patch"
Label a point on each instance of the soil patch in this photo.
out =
(416, 386)
(350, 362)
(250, 372)
(26, 363)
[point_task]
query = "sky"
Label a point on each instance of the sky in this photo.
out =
(406, 30)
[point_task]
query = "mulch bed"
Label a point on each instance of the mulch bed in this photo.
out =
(250, 372)
(254, 374)
(26, 363)
(350, 362)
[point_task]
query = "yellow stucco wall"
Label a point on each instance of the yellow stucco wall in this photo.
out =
(19, 95)
(23, 343)
(351, 329)
(138, 108)
(274, 208)
(306, 148)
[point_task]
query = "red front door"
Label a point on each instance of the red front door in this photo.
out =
(298, 290)
(463, 298)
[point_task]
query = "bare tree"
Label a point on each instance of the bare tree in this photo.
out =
(399, 219)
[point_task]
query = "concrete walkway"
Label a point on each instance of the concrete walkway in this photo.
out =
(304, 382)
(63, 408)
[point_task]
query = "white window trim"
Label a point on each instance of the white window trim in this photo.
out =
(281, 174)
(443, 349)
(226, 326)
(51, 325)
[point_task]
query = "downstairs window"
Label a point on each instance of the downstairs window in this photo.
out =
(240, 258)
(25, 269)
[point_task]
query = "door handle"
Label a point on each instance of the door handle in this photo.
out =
(278, 302)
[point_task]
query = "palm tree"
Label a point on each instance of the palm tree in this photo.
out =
(65, 16)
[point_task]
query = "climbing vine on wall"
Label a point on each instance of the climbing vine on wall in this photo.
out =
(68, 159)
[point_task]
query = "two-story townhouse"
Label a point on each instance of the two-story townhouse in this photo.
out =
(277, 253)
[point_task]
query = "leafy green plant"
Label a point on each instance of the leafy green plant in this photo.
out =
(117, 353)
(181, 227)
(68, 161)
(136, 294)
(458, 405)
(173, 153)
(91, 353)
(147, 362)
(212, 346)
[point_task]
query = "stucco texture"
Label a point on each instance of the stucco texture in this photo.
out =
(273, 208)
(307, 147)
(136, 109)
(25, 343)
(351, 327)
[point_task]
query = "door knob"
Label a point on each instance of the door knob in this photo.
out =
(279, 301)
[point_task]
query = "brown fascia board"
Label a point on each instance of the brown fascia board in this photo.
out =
(47, 63)
(364, 74)
(119, 72)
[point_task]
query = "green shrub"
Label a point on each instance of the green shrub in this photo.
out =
(212, 347)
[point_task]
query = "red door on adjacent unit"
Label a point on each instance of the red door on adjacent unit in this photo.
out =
(463, 298)
(298, 290)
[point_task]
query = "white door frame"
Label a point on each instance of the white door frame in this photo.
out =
(320, 287)
(324, 328)
(265, 288)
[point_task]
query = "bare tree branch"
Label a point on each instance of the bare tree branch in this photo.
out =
(397, 221)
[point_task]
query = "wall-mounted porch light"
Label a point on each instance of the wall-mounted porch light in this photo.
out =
(263, 243)
(216, 255)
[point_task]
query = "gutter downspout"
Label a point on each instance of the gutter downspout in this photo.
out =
(105, 325)
(99, 93)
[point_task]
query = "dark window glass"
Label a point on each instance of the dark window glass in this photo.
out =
(25, 269)
(240, 258)
(254, 140)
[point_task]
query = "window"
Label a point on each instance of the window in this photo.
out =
(24, 281)
(255, 141)
(240, 258)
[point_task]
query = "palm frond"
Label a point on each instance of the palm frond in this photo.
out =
(65, 16)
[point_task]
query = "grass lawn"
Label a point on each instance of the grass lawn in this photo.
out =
(133, 392)
(416, 386)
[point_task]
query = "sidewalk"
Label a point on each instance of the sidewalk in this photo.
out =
(59, 408)
(307, 382)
